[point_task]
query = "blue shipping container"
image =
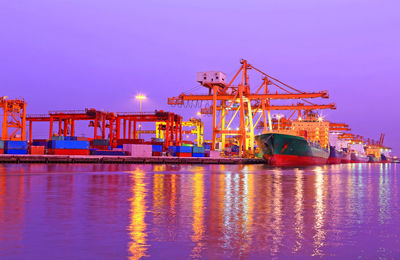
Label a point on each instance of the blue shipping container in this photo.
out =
(61, 144)
(184, 149)
(197, 149)
(157, 148)
(16, 151)
(57, 138)
(70, 138)
(15, 145)
(207, 146)
(198, 155)
(172, 149)
(40, 143)
(104, 152)
(1, 144)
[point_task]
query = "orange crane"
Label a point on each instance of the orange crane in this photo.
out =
(229, 100)
(14, 119)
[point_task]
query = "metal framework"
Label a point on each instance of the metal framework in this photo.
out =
(229, 101)
(14, 119)
(110, 125)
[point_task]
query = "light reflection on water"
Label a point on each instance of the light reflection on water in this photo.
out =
(180, 211)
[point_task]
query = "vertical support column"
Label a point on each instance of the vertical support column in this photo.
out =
(176, 120)
(167, 132)
(4, 133)
(251, 126)
(30, 132)
(103, 128)
(72, 127)
(129, 129)
(51, 128)
(135, 134)
(118, 126)
(124, 128)
(242, 121)
(223, 123)
(23, 121)
(96, 122)
(59, 127)
(65, 127)
(171, 118)
(215, 89)
(180, 132)
(111, 122)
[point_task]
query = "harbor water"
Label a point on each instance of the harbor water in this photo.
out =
(95, 211)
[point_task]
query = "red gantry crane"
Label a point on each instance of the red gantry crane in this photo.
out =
(14, 119)
(229, 100)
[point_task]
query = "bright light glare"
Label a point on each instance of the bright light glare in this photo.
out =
(320, 119)
(140, 97)
(198, 113)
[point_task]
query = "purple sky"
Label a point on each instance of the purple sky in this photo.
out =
(77, 54)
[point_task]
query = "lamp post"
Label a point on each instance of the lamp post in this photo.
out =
(140, 97)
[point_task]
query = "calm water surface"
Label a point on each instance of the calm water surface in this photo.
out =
(179, 211)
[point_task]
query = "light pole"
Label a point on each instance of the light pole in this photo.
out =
(140, 97)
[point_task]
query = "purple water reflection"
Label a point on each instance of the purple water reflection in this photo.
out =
(171, 211)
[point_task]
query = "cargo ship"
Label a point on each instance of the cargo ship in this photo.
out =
(346, 158)
(335, 156)
(290, 150)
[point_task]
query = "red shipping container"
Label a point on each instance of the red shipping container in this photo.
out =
(36, 150)
(69, 152)
(129, 141)
(101, 147)
(157, 153)
(184, 154)
(1, 151)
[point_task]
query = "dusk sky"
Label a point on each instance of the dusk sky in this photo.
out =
(80, 54)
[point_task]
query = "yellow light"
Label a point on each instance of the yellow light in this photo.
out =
(320, 119)
(199, 113)
(140, 97)
(300, 118)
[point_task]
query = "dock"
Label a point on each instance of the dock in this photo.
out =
(13, 158)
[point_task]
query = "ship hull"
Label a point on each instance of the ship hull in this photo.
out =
(335, 157)
(290, 150)
(358, 158)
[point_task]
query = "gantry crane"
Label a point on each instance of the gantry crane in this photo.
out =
(14, 119)
(229, 100)
(194, 123)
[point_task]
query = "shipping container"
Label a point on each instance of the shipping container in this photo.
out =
(197, 149)
(59, 138)
(101, 142)
(129, 141)
(157, 153)
(15, 145)
(157, 148)
(101, 147)
(184, 149)
(108, 152)
(61, 144)
(1, 144)
(15, 151)
(138, 150)
(198, 154)
(36, 149)
(69, 151)
(70, 138)
(184, 154)
(1, 151)
(40, 142)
